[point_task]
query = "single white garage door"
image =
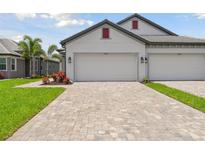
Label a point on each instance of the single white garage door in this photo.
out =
(105, 67)
(177, 67)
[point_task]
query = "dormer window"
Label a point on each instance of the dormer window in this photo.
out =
(134, 24)
(105, 33)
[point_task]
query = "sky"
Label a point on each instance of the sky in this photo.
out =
(52, 28)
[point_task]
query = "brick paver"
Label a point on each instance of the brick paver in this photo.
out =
(114, 111)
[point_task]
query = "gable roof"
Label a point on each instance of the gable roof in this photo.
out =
(147, 39)
(100, 24)
(147, 21)
(8, 47)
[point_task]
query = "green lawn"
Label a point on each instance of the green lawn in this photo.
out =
(186, 98)
(18, 105)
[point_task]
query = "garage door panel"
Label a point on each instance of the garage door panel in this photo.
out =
(105, 67)
(176, 67)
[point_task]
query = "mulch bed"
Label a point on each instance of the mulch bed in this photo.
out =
(54, 83)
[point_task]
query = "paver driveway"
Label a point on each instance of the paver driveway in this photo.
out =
(114, 111)
(193, 87)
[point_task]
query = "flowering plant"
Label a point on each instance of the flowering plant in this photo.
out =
(45, 80)
(66, 80)
(58, 77)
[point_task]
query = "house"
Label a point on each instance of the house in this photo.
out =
(13, 65)
(131, 50)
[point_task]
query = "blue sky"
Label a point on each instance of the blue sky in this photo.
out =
(52, 28)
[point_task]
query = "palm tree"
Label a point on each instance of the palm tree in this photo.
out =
(50, 51)
(57, 56)
(30, 49)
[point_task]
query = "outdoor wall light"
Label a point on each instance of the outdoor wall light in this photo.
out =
(69, 60)
(146, 60)
(142, 59)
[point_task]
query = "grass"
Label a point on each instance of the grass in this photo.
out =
(18, 105)
(184, 97)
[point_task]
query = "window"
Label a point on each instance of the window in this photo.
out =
(3, 64)
(134, 24)
(13, 64)
(105, 33)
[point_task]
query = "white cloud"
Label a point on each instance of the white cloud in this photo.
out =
(22, 16)
(73, 22)
(200, 15)
(61, 16)
(66, 19)
(61, 20)
(17, 38)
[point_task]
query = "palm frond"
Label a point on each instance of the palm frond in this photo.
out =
(37, 49)
(57, 56)
(37, 40)
(51, 49)
(26, 37)
(25, 49)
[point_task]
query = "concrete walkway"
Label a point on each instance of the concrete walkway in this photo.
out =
(114, 111)
(38, 84)
(193, 87)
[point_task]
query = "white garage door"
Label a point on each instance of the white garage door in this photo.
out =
(177, 67)
(105, 67)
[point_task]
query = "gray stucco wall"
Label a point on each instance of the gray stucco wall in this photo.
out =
(20, 70)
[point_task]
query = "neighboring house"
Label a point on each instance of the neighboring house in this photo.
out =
(131, 50)
(51, 64)
(12, 65)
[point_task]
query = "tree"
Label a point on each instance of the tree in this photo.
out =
(50, 51)
(30, 49)
(57, 56)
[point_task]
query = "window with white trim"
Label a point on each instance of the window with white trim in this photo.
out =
(3, 65)
(13, 64)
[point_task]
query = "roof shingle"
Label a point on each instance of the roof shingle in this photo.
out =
(8, 47)
(173, 39)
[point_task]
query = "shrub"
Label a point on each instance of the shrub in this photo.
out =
(2, 76)
(54, 76)
(66, 80)
(61, 76)
(45, 80)
(58, 77)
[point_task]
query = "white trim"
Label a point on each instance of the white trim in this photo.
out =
(175, 46)
(6, 63)
(15, 64)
